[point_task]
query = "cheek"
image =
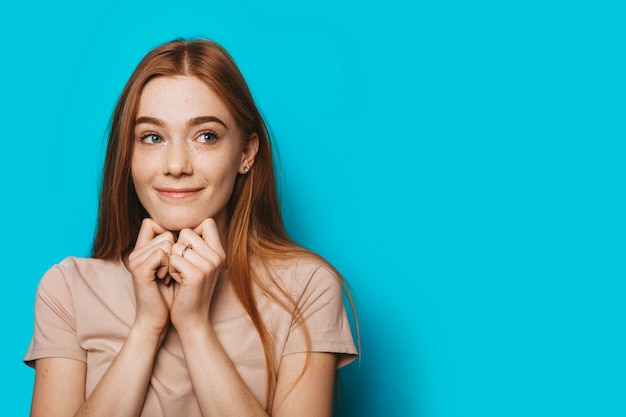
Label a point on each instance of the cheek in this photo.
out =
(139, 191)
(140, 180)
(141, 166)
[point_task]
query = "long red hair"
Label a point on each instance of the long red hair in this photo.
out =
(255, 225)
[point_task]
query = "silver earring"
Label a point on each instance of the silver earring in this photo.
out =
(246, 169)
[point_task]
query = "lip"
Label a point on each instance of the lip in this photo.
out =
(178, 193)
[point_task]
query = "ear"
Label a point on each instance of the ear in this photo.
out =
(249, 154)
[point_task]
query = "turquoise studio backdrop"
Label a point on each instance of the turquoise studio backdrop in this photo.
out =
(461, 163)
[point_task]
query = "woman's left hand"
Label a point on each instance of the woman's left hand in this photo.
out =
(195, 265)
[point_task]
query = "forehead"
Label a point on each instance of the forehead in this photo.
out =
(180, 98)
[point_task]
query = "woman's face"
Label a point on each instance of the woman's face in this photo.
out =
(187, 153)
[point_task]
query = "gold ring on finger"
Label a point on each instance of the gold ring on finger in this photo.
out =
(189, 246)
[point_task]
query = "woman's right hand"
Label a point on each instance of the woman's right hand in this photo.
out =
(149, 264)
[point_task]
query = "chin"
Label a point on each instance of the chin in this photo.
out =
(178, 219)
(177, 224)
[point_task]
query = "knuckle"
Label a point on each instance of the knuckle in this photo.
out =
(169, 236)
(216, 260)
(141, 270)
(184, 234)
(210, 222)
(161, 251)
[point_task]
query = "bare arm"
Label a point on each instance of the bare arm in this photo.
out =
(221, 391)
(59, 387)
(122, 390)
(219, 388)
(60, 383)
(312, 394)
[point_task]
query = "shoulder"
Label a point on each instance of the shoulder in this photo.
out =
(73, 264)
(304, 274)
(73, 270)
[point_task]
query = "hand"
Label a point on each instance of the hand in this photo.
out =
(148, 263)
(195, 275)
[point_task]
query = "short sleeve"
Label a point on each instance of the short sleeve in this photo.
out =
(55, 325)
(322, 307)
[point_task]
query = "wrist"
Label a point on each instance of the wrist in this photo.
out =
(191, 323)
(148, 333)
(199, 332)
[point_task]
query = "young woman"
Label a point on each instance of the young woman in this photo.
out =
(196, 302)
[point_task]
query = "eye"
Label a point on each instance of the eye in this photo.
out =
(151, 138)
(207, 136)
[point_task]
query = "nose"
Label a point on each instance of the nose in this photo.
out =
(178, 159)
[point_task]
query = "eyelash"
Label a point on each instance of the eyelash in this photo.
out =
(210, 133)
(149, 134)
(213, 135)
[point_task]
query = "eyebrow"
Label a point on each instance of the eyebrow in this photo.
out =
(191, 122)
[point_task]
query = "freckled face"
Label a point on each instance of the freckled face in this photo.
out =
(187, 153)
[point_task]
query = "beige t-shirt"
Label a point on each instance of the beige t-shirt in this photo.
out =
(85, 307)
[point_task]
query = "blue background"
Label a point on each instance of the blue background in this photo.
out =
(462, 163)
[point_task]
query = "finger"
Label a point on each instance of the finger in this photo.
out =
(162, 271)
(141, 254)
(182, 248)
(209, 233)
(176, 267)
(154, 261)
(187, 243)
(195, 267)
(188, 240)
(191, 269)
(148, 231)
(148, 240)
(189, 253)
(167, 279)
